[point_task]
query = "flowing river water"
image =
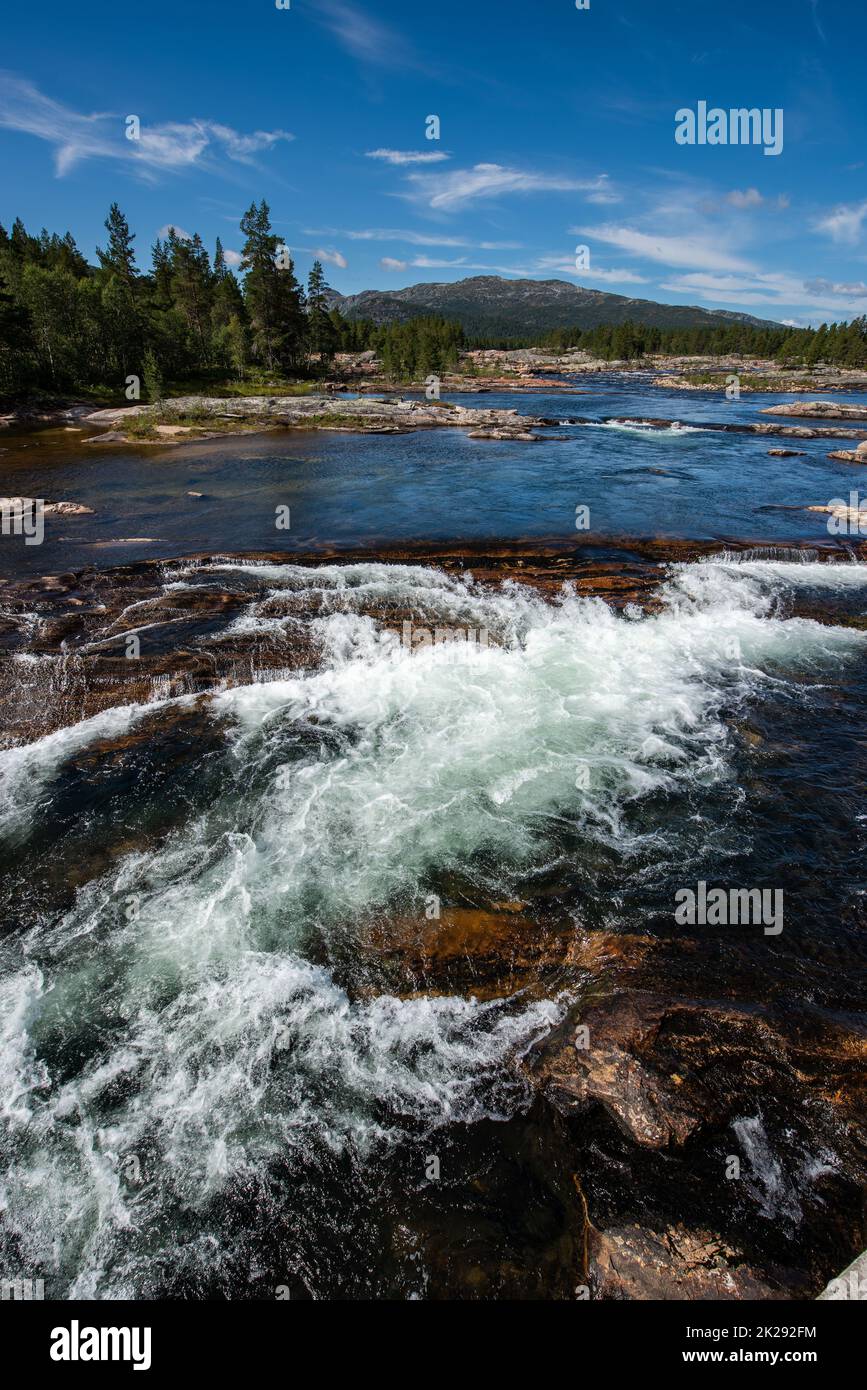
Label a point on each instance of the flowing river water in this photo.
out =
(280, 959)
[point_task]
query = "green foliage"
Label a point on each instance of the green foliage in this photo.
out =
(840, 345)
(409, 351)
(322, 333)
(272, 295)
(152, 376)
(66, 325)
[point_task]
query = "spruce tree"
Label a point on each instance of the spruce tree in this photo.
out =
(119, 256)
(321, 334)
(272, 294)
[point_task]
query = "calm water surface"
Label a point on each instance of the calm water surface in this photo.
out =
(433, 484)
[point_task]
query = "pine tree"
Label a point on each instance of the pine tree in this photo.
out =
(152, 376)
(227, 302)
(321, 335)
(191, 284)
(119, 257)
(271, 293)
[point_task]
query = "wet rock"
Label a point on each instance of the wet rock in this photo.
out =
(762, 427)
(629, 1263)
(522, 435)
(853, 518)
(858, 455)
(787, 454)
(24, 506)
(477, 952)
(610, 1071)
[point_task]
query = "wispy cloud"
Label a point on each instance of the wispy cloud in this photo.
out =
(745, 198)
(776, 289)
(845, 224)
(600, 191)
(408, 156)
(389, 263)
(563, 265)
(690, 252)
(366, 39)
(814, 6)
(460, 187)
(415, 238)
(167, 147)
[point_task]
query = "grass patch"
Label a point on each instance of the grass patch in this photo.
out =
(252, 384)
(329, 420)
(140, 427)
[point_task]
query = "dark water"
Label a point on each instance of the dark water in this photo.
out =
(436, 484)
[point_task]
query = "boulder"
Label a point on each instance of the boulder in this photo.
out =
(819, 410)
(26, 504)
(629, 1263)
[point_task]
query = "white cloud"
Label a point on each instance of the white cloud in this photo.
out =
(689, 252)
(777, 289)
(408, 156)
(819, 286)
(743, 198)
(178, 231)
(233, 258)
(845, 223)
(331, 258)
(389, 263)
(166, 147)
(746, 198)
(461, 187)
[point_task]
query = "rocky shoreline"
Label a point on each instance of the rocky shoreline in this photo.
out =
(196, 416)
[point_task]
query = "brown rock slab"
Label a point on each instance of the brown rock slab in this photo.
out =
(630, 1263)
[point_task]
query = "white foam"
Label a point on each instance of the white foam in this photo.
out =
(190, 978)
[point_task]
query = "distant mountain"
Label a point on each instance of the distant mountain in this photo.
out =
(489, 306)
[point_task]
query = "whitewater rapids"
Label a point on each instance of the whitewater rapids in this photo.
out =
(181, 1021)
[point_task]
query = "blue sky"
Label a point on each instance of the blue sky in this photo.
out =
(556, 130)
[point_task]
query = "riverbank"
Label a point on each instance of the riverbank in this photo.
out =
(522, 371)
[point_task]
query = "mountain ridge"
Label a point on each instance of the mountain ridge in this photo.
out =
(493, 305)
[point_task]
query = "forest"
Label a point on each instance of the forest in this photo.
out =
(189, 321)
